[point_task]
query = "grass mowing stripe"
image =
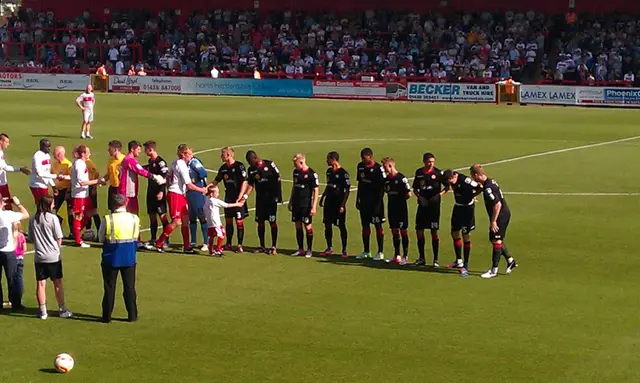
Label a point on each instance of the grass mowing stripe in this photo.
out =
(507, 160)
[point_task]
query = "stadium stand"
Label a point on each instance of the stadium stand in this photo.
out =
(552, 44)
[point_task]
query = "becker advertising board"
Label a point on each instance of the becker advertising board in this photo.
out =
(451, 92)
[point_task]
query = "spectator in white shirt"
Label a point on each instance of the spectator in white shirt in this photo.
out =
(119, 67)
(71, 51)
(7, 246)
(561, 66)
(114, 54)
(531, 56)
(601, 72)
(290, 70)
(448, 64)
(5, 167)
(629, 77)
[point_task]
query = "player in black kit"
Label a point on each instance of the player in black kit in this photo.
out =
(398, 192)
(234, 176)
(463, 218)
(429, 186)
(156, 194)
(303, 202)
(264, 177)
(334, 202)
(499, 217)
(369, 201)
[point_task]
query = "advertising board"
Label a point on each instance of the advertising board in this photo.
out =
(248, 87)
(548, 94)
(451, 92)
(350, 89)
(126, 84)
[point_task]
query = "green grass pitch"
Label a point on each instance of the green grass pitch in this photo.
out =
(569, 313)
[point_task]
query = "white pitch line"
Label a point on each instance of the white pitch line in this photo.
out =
(513, 159)
(547, 153)
(573, 194)
(328, 141)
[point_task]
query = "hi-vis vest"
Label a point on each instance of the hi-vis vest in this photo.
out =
(102, 72)
(120, 239)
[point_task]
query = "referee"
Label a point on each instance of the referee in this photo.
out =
(119, 234)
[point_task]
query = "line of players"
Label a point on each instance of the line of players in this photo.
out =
(374, 180)
(187, 201)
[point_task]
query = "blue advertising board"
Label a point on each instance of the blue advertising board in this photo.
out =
(248, 87)
(622, 96)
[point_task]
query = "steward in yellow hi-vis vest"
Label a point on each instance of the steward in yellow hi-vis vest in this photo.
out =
(119, 235)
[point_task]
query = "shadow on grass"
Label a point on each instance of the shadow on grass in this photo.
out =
(50, 136)
(33, 313)
(337, 260)
(49, 371)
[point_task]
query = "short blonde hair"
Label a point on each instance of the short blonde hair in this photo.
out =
(477, 169)
(228, 149)
(299, 156)
(388, 160)
(59, 149)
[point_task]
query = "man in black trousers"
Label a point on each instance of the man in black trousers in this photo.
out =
(119, 234)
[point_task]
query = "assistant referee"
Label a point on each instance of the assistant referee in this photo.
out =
(119, 235)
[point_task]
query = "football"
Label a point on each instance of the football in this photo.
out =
(90, 235)
(64, 363)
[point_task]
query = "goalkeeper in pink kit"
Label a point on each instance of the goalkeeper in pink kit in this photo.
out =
(130, 169)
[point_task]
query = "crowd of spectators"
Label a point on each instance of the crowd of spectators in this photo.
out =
(598, 49)
(526, 46)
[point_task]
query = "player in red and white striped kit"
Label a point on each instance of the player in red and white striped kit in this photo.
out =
(4, 168)
(83, 208)
(86, 101)
(179, 182)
